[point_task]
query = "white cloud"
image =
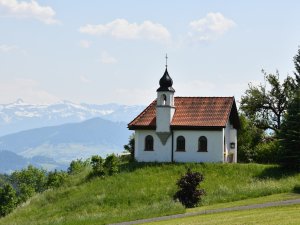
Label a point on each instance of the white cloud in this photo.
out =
(122, 29)
(106, 58)
(84, 79)
(8, 48)
(211, 27)
(26, 89)
(85, 44)
(32, 9)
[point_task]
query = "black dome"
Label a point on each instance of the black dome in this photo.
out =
(166, 82)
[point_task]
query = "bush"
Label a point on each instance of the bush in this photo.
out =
(56, 179)
(189, 195)
(267, 152)
(112, 164)
(32, 177)
(97, 165)
(8, 199)
(77, 166)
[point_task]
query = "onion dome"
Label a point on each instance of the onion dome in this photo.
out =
(166, 82)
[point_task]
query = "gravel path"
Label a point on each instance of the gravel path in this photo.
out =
(236, 208)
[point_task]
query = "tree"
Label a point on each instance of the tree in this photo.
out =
(28, 181)
(56, 179)
(30, 176)
(289, 136)
(297, 67)
(189, 194)
(77, 166)
(267, 107)
(97, 165)
(8, 199)
(130, 146)
(249, 136)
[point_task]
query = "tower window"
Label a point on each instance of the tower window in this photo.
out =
(180, 144)
(163, 99)
(149, 143)
(202, 144)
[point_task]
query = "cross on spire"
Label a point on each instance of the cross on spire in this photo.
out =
(166, 60)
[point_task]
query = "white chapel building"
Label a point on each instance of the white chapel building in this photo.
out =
(186, 129)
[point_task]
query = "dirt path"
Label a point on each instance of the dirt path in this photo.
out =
(236, 208)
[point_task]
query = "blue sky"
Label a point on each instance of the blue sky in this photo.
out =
(113, 51)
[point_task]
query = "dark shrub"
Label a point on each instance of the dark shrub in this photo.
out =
(188, 194)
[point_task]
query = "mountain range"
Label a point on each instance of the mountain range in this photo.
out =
(52, 135)
(19, 116)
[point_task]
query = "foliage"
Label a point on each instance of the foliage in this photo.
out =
(56, 179)
(289, 135)
(97, 165)
(8, 199)
(28, 181)
(267, 107)
(249, 136)
(77, 166)
(112, 164)
(31, 176)
(297, 67)
(189, 194)
(266, 151)
(130, 146)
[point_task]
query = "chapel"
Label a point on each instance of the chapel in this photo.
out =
(186, 129)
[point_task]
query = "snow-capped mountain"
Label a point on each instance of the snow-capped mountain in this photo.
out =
(18, 116)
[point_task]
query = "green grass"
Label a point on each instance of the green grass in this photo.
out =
(146, 190)
(283, 215)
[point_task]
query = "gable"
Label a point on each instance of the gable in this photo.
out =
(192, 113)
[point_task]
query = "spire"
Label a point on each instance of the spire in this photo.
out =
(166, 60)
(166, 81)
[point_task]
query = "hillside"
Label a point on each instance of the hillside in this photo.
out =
(146, 190)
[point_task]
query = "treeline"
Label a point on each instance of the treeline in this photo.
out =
(270, 120)
(18, 187)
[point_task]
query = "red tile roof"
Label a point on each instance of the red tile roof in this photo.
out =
(192, 112)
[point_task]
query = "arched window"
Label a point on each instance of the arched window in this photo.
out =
(163, 99)
(149, 143)
(202, 144)
(180, 144)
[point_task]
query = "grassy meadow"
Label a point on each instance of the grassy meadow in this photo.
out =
(146, 190)
(283, 215)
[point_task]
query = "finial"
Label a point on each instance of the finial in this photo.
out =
(166, 60)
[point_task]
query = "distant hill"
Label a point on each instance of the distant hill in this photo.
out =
(66, 142)
(10, 161)
(19, 116)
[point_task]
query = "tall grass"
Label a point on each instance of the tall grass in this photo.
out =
(146, 190)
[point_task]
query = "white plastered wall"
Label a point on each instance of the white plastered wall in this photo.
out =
(214, 146)
(161, 153)
(230, 137)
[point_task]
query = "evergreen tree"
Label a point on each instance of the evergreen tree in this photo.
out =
(290, 135)
(297, 67)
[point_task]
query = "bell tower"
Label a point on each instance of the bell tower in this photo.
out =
(165, 106)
